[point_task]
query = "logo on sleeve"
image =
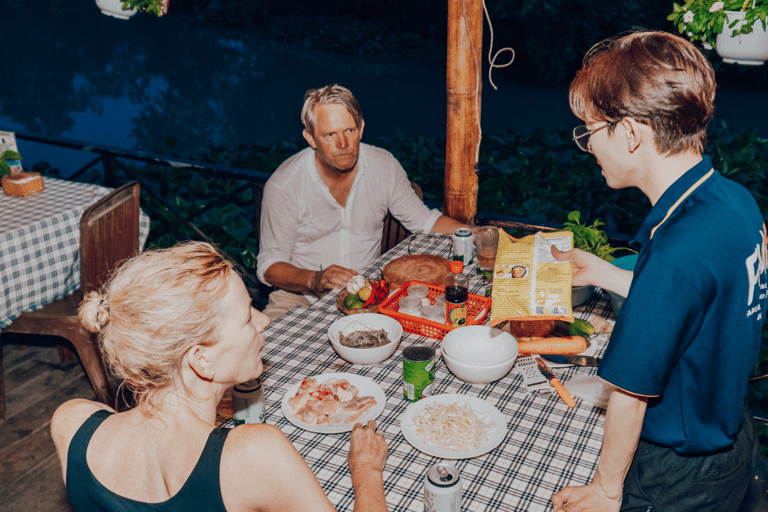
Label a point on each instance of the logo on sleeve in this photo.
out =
(758, 277)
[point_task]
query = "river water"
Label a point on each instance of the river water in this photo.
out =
(78, 74)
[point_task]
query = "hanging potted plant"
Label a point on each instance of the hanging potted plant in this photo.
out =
(736, 28)
(124, 9)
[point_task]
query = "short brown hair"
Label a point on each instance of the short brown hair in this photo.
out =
(325, 96)
(658, 79)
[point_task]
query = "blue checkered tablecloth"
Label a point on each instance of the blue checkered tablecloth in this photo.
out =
(39, 244)
(547, 446)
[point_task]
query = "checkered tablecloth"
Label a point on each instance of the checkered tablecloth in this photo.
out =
(40, 242)
(547, 446)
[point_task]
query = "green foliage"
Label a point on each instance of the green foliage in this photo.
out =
(156, 7)
(591, 238)
(5, 157)
(702, 20)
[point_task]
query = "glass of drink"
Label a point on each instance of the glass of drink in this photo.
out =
(486, 242)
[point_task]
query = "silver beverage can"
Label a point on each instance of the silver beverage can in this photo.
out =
(463, 247)
(442, 489)
(248, 403)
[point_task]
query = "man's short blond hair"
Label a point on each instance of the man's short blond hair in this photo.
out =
(325, 96)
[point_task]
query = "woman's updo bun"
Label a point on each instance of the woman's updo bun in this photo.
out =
(94, 311)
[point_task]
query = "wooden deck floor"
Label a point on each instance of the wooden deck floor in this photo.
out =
(36, 383)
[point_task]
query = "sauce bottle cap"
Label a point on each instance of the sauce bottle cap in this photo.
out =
(457, 266)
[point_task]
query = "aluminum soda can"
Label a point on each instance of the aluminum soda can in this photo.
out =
(418, 371)
(463, 246)
(442, 489)
(248, 403)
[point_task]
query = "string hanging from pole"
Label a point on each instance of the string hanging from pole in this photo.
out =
(492, 64)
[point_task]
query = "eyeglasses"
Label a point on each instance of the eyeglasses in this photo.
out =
(581, 135)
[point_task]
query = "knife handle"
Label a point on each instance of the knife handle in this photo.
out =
(564, 394)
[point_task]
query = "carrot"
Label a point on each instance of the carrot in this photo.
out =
(567, 345)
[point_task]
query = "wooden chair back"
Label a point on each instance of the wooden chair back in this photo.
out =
(394, 231)
(109, 234)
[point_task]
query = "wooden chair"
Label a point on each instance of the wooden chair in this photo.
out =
(109, 233)
(394, 231)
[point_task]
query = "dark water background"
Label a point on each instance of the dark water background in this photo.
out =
(75, 73)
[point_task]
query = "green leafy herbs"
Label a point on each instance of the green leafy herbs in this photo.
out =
(591, 238)
(8, 156)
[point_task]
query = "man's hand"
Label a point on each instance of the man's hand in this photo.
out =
(586, 266)
(587, 498)
(591, 270)
(330, 278)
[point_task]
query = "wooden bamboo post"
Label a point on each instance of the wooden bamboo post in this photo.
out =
(464, 87)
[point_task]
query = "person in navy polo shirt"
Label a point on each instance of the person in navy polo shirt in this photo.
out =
(677, 433)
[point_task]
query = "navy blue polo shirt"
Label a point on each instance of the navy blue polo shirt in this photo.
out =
(689, 332)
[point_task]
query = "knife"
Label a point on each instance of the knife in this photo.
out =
(571, 359)
(555, 383)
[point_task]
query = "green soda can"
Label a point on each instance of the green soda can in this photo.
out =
(418, 372)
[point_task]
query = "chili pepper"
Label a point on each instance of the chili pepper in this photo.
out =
(374, 294)
(381, 292)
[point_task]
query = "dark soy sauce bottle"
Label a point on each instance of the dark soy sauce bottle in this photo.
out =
(456, 294)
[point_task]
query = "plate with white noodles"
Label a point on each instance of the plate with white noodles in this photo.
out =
(453, 426)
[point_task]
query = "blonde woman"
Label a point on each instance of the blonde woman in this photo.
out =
(178, 327)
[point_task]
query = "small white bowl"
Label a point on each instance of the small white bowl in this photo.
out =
(480, 345)
(366, 356)
(418, 290)
(477, 374)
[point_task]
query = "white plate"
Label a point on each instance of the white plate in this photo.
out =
(482, 409)
(366, 387)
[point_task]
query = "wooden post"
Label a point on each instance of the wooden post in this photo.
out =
(464, 86)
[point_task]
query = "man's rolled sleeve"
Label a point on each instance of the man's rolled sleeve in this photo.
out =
(407, 207)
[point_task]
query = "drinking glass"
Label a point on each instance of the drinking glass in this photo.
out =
(486, 242)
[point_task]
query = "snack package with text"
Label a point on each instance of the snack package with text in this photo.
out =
(528, 282)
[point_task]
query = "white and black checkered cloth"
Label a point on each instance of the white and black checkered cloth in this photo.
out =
(548, 446)
(40, 242)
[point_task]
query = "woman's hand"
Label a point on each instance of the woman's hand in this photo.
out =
(367, 449)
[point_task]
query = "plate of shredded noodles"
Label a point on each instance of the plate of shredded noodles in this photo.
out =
(453, 426)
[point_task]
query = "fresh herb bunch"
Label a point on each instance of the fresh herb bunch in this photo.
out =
(591, 238)
(157, 7)
(7, 155)
(702, 20)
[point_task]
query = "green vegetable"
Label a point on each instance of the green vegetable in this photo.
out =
(581, 327)
(353, 302)
(591, 238)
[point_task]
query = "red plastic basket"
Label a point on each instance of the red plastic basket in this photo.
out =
(476, 305)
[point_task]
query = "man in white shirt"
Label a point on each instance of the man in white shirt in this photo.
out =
(323, 211)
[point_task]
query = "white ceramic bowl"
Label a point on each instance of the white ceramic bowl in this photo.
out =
(480, 345)
(477, 374)
(366, 356)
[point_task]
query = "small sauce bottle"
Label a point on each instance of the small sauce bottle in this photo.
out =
(456, 294)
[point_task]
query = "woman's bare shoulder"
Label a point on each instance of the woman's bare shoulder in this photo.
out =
(256, 439)
(67, 419)
(70, 416)
(261, 469)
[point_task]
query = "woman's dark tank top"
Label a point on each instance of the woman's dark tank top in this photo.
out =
(201, 491)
